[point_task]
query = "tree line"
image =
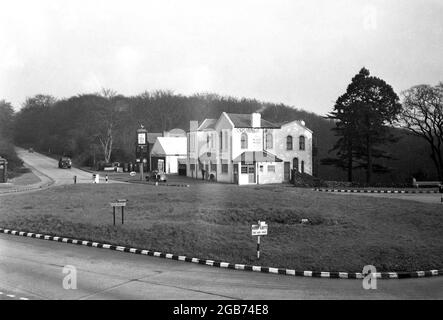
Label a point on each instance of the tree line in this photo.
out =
(368, 136)
(6, 137)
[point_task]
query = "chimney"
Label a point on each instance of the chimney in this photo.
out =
(193, 125)
(255, 120)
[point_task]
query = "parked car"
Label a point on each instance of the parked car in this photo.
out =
(156, 175)
(64, 162)
(30, 150)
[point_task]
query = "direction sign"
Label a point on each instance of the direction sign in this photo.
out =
(117, 204)
(260, 229)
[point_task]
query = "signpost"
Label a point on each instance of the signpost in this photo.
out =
(260, 229)
(141, 148)
(119, 203)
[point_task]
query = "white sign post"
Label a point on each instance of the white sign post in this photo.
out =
(260, 229)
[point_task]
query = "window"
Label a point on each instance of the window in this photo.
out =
(213, 167)
(289, 143)
(192, 167)
(271, 168)
(224, 168)
(244, 141)
(269, 141)
(226, 140)
(189, 142)
(244, 169)
(301, 143)
(221, 140)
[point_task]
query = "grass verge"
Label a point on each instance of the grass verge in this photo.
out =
(213, 221)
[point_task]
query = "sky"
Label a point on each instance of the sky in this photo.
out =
(300, 53)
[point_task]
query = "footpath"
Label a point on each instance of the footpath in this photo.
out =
(29, 181)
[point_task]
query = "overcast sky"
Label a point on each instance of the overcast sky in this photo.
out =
(301, 53)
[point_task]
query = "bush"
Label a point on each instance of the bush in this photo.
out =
(7, 151)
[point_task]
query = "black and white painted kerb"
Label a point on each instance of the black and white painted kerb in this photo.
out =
(374, 191)
(227, 265)
(12, 296)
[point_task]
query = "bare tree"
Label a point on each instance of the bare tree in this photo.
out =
(422, 114)
(106, 118)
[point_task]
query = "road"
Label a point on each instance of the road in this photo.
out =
(33, 269)
(48, 167)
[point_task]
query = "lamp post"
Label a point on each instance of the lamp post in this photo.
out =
(141, 148)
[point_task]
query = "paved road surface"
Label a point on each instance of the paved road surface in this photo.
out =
(33, 269)
(49, 167)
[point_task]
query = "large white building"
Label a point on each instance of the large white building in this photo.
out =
(245, 149)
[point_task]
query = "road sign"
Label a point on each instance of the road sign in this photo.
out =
(118, 204)
(260, 229)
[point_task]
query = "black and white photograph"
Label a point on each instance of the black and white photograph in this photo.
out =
(221, 156)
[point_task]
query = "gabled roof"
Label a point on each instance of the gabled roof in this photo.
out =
(301, 123)
(244, 121)
(153, 136)
(207, 124)
(169, 146)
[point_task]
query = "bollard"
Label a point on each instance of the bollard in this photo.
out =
(75, 179)
(106, 178)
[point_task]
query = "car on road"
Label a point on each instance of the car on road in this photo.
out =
(64, 162)
(156, 175)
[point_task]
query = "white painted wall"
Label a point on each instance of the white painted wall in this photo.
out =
(271, 177)
(172, 164)
(295, 130)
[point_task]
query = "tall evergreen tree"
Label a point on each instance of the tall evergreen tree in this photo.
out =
(362, 116)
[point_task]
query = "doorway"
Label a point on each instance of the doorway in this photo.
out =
(287, 169)
(295, 164)
(251, 174)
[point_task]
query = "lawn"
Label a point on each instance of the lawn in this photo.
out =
(213, 221)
